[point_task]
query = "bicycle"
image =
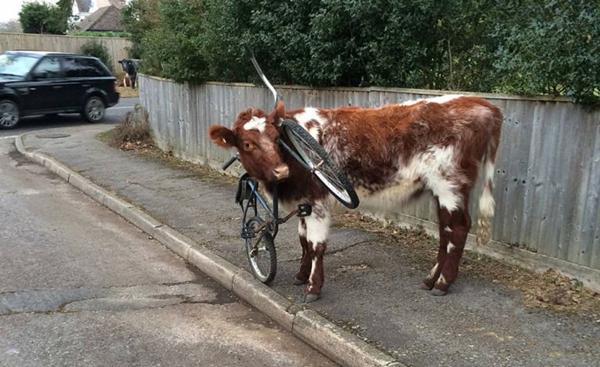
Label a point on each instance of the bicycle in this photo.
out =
(260, 221)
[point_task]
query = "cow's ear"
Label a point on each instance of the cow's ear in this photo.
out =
(222, 136)
(278, 113)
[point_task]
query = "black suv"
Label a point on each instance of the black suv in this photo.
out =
(43, 83)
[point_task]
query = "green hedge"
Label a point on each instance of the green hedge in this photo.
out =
(515, 46)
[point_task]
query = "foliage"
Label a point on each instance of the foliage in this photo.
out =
(63, 10)
(139, 18)
(555, 52)
(514, 46)
(41, 18)
(97, 49)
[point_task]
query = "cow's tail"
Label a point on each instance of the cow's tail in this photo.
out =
(486, 201)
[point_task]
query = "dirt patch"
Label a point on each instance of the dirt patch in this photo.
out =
(549, 290)
(147, 149)
(127, 92)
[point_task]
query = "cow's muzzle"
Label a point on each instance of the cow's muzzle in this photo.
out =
(281, 172)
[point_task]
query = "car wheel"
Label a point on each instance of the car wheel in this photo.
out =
(94, 109)
(9, 114)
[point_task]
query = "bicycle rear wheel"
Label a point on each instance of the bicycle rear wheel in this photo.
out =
(260, 250)
(317, 159)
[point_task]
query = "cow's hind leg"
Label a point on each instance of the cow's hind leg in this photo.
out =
(455, 225)
(306, 260)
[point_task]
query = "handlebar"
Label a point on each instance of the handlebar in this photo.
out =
(230, 162)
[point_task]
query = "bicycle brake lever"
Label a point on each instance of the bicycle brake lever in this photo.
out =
(230, 162)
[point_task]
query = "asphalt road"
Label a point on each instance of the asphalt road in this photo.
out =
(80, 286)
(113, 116)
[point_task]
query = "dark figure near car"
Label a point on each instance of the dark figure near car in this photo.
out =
(130, 69)
(47, 83)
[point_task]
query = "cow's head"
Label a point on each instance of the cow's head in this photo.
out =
(255, 135)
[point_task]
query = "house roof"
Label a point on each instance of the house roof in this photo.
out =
(105, 19)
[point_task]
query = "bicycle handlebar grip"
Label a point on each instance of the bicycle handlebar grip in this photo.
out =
(229, 162)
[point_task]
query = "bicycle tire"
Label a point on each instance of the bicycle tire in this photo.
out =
(326, 171)
(255, 260)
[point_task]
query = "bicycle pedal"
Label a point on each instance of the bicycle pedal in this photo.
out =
(304, 210)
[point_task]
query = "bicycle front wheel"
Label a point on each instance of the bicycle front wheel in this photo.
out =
(260, 250)
(317, 159)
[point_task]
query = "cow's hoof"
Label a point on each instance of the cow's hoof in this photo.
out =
(299, 281)
(425, 286)
(311, 297)
(438, 292)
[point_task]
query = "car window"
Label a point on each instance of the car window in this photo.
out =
(81, 68)
(48, 68)
(16, 65)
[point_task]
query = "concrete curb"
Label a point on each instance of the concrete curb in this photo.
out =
(331, 340)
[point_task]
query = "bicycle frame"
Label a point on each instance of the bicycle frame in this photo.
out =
(255, 199)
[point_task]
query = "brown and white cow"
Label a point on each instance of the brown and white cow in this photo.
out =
(392, 153)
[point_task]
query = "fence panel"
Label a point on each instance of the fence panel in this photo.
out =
(117, 47)
(547, 173)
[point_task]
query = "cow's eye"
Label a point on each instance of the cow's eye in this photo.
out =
(248, 146)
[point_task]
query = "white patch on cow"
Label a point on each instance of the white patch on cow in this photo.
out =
(442, 280)
(448, 229)
(440, 99)
(301, 229)
(434, 270)
(451, 247)
(390, 196)
(311, 114)
(486, 202)
(410, 103)
(317, 224)
(434, 167)
(443, 99)
(256, 123)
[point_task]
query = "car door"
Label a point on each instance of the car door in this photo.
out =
(45, 85)
(76, 81)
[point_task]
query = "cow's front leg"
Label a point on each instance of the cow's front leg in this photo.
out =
(317, 230)
(306, 260)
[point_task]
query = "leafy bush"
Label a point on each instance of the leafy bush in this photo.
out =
(555, 52)
(515, 46)
(97, 49)
(41, 18)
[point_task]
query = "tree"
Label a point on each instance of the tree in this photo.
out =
(64, 10)
(11, 26)
(41, 18)
(140, 17)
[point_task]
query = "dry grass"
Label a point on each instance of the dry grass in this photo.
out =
(133, 132)
(127, 92)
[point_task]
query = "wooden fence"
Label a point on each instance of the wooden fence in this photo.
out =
(117, 47)
(547, 174)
